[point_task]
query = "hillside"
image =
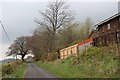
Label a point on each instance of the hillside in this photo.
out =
(7, 60)
(93, 63)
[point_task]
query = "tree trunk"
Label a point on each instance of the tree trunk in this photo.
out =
(16, 57)
(22, 58)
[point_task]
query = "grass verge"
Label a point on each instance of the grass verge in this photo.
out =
(19, 72)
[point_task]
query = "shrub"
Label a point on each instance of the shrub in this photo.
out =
(6, 69)
(91, 51)
(9, 67)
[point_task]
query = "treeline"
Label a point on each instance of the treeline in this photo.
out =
(56, 29)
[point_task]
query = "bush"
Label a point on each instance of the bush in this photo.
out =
(7, 69)
(91, 51)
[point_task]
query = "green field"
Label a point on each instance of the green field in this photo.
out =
(95, 63)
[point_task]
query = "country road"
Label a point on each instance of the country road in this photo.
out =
(33, 71)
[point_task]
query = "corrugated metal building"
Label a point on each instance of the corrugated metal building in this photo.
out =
(69, 51)
(76, 49)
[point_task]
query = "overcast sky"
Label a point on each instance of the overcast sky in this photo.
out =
(18, 17)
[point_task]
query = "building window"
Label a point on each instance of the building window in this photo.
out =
(108, 26)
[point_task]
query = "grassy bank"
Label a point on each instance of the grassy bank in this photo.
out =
(14, 70)
(19, 72)
(93, 63)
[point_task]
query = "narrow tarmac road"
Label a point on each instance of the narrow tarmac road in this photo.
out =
(33, 71)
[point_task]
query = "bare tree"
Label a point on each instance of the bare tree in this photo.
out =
(19, 47)
(54, 17)
(85, 28)
(68, 35)
(39, 44)
(73, 33)
(87, 25)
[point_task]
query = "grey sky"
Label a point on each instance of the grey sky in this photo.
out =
(18, 17)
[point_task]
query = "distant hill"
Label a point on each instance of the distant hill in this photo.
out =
(7, 60)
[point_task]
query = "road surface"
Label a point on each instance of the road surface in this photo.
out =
(33, 71)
